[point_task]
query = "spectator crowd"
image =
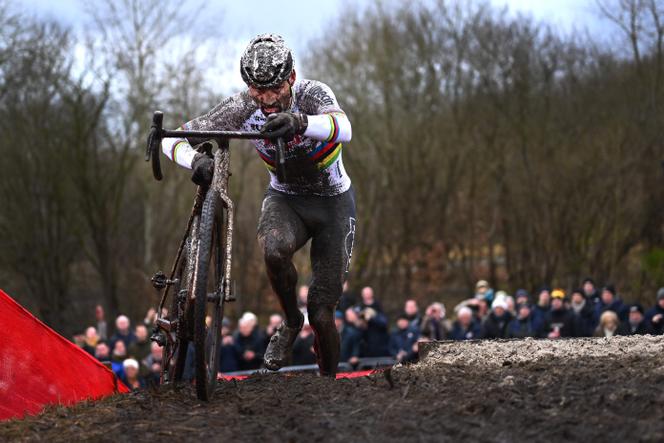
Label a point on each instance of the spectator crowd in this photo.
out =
(365, 331)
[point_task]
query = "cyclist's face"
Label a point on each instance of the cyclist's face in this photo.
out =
(273, 100)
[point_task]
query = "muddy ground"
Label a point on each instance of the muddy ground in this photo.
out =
(524, 390)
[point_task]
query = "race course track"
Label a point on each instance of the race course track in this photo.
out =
(522, 390)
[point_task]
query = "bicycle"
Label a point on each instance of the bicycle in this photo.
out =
(206, 246)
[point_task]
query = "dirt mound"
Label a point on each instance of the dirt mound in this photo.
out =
(524, 390)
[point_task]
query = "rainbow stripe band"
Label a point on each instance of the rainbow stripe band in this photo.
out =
(174, 150)
(323, 155)
(334, 128)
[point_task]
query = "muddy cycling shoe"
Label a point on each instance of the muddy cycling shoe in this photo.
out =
(280, 349)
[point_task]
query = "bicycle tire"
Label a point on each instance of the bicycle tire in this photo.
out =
(182, 310)
(206, 343)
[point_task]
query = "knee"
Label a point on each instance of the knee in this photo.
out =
(276, 251)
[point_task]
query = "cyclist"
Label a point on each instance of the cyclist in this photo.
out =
(316, 202)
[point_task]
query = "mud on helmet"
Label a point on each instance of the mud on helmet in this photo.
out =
(266, 62)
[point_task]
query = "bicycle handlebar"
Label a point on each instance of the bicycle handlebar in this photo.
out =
(157, 133)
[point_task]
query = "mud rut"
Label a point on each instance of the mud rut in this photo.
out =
(524, 390)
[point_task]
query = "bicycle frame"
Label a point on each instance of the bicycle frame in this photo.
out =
(219, 185)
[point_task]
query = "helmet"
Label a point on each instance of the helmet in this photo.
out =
(266, 62)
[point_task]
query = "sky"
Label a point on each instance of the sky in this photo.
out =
(299, 21)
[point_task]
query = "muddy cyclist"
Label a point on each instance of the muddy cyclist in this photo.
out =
(315, 201)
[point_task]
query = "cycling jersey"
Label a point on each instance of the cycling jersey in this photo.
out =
(313, 161)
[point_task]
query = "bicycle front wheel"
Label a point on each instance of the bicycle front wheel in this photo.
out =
(208, 294)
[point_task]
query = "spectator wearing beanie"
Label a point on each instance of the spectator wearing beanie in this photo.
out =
(495, 325)
(585, 313)
(522, 326)
(402, 339)
(522, 297)
(466, 326)
(636, 323)
(559, 321)
(609, 301)
(655, 315)
(131, 377)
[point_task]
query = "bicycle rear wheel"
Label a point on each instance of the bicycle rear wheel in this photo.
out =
(208, 273)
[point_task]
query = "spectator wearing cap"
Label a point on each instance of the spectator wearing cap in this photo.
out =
(585, 313)
(412, 313)
(542, 307)
(402, 340)
(466, 326)
(590, 290)
(484, 291)
(522, 326)
(433, 324)
(351, 337)
(636, 323)
(559, 321)
(248, 343)
(303, 347)
(131, 378)
(609, 301)
(655, 315)
(122, 332)
(495, 325)
(608, 324)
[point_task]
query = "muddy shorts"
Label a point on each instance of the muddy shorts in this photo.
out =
(330, 224)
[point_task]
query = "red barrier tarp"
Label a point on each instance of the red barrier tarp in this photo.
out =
(39, 367)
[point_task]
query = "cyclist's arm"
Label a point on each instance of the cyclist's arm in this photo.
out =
(226, 116)
(326, 120)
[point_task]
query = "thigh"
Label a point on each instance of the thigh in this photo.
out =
(332, 249)
(280, 227)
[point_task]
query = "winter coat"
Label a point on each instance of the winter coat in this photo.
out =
(253, 342)
(460, 333)
(642, 328)
(522, 327)
(351, 342)
(563, 319)
(657, 327)
(403, 340)
(376, 337)
(496, 327)
(585, 320)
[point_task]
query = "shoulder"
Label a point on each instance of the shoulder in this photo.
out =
(314, 95)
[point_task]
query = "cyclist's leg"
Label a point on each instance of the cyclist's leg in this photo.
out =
(281, 232)
(331, 250)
